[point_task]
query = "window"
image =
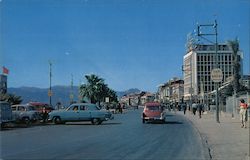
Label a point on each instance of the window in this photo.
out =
(13, 108)
(82, 108)
(21, 108)
(75, 108)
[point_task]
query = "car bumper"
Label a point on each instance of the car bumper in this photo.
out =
(153, 118)
(111, 117)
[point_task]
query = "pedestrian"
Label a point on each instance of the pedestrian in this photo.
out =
(58, 106)
(44, 115)
(200, 109)
(194, 108)
(119, 108)
(184, 107)
(174, 107)
(243, 110)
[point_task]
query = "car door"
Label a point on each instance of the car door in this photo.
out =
(84, 113)
(95, 112)
(14, 112)
(21, 112)
(73, 113)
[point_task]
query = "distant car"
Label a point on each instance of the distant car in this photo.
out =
(80, 112)
(24, 113)
(153, 111)
(5, 113)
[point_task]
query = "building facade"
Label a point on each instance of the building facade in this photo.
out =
(171, 91)
(135, 99)
(197, 66)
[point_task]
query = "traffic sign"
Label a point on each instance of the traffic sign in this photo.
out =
(107, 99)
(49, 93)
(216, 75)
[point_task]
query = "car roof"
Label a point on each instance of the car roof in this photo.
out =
(37, 103)
(152, 104)
(82, 104)
(24, 105)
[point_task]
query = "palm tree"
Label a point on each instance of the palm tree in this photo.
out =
(96, 90)
(93, 89)
(11, 98)
(112, 94)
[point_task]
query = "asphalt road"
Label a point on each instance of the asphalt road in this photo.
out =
(125, 138)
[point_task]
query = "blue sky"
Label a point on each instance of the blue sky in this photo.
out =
(129, 43)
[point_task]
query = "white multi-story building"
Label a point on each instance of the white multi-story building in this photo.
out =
(198, 64)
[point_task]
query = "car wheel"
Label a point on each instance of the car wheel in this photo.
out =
(1, 126)
(26, 121)
(143, 120)
(95, 121)
(164, 120)
(57, 120)
(100, 122)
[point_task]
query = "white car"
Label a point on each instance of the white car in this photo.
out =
(23, 113)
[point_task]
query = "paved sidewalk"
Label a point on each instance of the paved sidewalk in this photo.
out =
(225, 140)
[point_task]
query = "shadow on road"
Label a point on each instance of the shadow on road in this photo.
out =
(168, 122)
(173, 122)
(90, 124)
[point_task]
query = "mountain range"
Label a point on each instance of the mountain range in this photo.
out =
(59, 94)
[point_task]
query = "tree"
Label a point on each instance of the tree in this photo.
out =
(96, 90)
(112, 95)
(11, 98)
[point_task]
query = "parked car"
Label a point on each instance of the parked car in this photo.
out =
(80, 112)
(5, 113)
(24, 113)
(153, 111)
(39, 106)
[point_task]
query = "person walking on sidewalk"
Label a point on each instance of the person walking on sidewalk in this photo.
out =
(194, 108)
(184, 107)
(200, 109)
(243, 110)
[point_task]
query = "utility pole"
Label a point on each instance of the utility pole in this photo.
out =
(216, 66)
(50, 76)
(71, 91)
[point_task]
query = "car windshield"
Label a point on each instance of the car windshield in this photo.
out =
(153, 108)
(31, 108)
(68, 108)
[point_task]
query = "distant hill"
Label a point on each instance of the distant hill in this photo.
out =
(122, 93)
(60, 94)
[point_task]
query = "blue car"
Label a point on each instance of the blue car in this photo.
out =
(80, 112)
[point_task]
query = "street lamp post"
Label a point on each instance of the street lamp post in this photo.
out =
(50, 77)
(216, 58)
